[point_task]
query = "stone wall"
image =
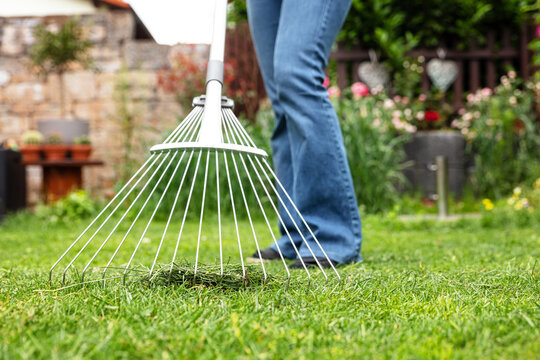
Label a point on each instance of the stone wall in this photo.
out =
(89, 94)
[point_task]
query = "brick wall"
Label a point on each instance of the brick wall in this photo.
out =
(89, 94)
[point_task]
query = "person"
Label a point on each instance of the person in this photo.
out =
(293, 39)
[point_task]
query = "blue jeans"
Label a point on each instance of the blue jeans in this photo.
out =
(293, 39)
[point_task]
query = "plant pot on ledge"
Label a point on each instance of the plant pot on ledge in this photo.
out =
(55, 152)
(54, 149)
(31, 153)
(80, 151)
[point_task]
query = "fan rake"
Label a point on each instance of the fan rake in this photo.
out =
(209, 154)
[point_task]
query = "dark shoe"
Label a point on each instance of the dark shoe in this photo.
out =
(310, 262)
(266, 254)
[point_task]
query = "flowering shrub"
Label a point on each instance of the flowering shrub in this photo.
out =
(186, 77)
(373, 135)
(521, 208)
(503, 135)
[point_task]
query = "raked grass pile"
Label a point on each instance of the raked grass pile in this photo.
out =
(425, 290)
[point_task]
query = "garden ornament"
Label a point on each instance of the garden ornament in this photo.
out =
(442, 72)
(372, 73)
(209, 145)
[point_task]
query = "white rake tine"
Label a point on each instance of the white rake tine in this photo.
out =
(241, 129)
(107, 219)
(202, 211)
(105, 209)
(239, 126)
(184, 126)
(219, 216)
(172, 209)
(181, 129)
(234, 215)
(263, 212)
(122, 218)
(155, 209)
(185, 211)
(190, 128)
(248, 214)
(139, 213)
(304, 221)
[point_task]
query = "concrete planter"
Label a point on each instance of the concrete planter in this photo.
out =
(421, 152)
(68, 129)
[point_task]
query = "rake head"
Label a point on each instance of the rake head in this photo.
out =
(195, 193)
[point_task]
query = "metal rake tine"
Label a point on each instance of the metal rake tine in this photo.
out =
(107, 219)
(219, 215)
(155, 209)
(238, 128)
(192, 132)
(102, 212)
(185, 211)
(172, 209)
(182, 129)
(234, 214)
(262, 209)
(140, 211)
(122, 218)
(248, 214)
(304, 221)
(202, 210)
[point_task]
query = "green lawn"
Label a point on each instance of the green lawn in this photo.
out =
(424, 290)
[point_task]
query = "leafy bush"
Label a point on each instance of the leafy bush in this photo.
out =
(77, 205)
(503, 136)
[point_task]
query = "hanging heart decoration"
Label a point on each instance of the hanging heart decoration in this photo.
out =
(442, 73)
(372, 73)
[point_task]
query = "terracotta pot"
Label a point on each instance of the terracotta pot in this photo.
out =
(31, 153)
(55, 152)
(81, 152)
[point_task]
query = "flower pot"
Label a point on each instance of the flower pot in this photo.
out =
(421, 152)
(31, 153)
(80, 152)
(55, 152)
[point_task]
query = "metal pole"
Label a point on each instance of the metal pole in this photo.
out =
(441, 168)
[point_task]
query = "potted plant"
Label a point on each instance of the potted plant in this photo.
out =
(54, 149)
(31, 149)
(55, 53)
(81, 148)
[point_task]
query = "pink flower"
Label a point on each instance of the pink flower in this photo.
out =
(405, 100)
(333, 92)
(326, 82)
(538, 31)
(512, 74)
(486, 92)
(359, 90)
(422, 97)
(397, 98)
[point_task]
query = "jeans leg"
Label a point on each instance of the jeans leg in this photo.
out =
(322, 184)
(264, 21)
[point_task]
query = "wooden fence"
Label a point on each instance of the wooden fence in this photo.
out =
(477, 67)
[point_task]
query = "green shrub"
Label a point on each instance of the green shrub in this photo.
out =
(77, 205)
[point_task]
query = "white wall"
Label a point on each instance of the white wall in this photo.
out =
(10, 8)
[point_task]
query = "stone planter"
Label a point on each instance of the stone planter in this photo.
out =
(55, 152)
(31, 153)
(421, 152)
(68, 129)
(80, 152)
